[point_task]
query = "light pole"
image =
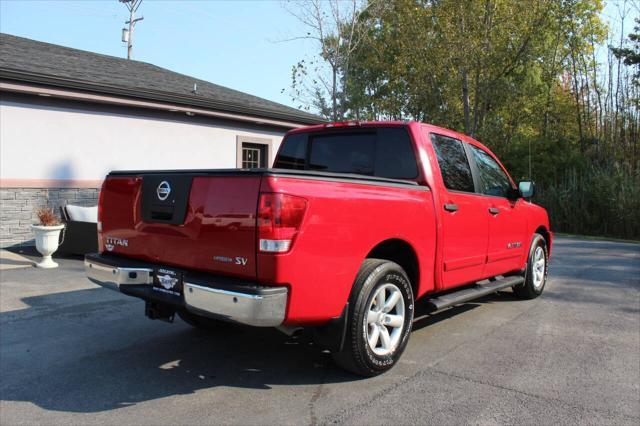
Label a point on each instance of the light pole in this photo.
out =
(127, 35)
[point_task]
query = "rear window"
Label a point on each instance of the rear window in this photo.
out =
(354, 153)
(293, 153)
(383, 152)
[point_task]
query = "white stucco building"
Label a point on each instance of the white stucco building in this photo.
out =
(68, 117)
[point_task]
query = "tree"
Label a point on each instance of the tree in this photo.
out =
(631, 56)
(336, 26)
(523, 77)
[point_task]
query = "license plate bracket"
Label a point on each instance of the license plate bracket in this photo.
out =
(168, 281)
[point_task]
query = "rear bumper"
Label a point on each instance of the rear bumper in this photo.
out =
(209, 295)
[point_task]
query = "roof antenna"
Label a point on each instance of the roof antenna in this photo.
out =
(195, 88)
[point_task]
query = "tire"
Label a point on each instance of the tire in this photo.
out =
(358, 355)
(199, 321)
(536, 273)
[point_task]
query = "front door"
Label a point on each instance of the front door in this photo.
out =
(465, 222)
(507, 226)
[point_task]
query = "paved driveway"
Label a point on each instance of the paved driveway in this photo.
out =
(75, 353)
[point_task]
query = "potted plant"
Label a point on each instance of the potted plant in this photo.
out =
(47, 235)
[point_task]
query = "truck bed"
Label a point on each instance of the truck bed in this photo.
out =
(303, 174)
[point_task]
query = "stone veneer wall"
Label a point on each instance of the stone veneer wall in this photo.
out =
(17, 209)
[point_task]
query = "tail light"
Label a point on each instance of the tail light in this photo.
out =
(100, 199)
(279, 219)
(100, 210)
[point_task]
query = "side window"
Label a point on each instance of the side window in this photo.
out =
(494, 180)
(453, 162)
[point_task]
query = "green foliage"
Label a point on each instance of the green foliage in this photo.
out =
(631, 56)
(595, 201)
(520, 76)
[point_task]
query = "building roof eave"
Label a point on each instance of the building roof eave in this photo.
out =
(84, 96)
(151, 95)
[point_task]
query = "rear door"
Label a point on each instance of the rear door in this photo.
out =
(465, 222)
(507, 224)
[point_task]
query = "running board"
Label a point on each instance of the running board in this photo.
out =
(466, 294)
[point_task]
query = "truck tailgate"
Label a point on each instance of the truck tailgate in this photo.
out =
(186, 220)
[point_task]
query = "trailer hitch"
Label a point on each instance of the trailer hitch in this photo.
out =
(159, 311)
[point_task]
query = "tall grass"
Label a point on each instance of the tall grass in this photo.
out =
(594, 201)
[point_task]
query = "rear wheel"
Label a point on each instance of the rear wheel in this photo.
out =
(379, 320)
(199, 321)
(536, 273)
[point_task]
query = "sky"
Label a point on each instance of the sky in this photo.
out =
(237, 44)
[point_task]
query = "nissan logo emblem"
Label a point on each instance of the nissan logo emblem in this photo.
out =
(163, 191)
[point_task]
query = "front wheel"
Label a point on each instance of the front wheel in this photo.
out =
(536, 273)
(379, 319)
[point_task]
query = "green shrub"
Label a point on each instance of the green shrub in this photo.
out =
(602, 201)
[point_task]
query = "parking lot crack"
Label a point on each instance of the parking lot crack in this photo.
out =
(314, 399)
(337, 417)
(532, 395)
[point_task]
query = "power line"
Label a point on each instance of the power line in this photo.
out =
(127, 34)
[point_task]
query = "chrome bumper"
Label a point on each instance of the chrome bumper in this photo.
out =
(113, 276)
(252, 307)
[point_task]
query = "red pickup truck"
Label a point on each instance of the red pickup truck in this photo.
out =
(353, 225)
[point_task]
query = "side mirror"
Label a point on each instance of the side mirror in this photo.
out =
(527, 189)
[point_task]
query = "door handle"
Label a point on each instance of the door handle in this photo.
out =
(451, 207)
(494, 210)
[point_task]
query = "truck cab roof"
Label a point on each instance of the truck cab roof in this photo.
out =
(354, 124)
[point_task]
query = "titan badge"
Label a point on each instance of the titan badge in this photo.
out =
(111, 242)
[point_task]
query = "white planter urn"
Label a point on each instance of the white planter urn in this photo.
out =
(47, 241)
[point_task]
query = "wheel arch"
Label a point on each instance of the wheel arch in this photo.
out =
(542, 230)
(401, 252)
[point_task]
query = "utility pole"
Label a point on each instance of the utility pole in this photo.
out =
(127, 35)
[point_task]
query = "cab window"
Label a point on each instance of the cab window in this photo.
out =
(453, 163)
(494, 180)
(293, 154)
(384, 152)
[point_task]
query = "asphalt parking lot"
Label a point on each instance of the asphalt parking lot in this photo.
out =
(71, 352)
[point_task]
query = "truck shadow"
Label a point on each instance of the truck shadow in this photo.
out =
(97, 368)
(167, 360)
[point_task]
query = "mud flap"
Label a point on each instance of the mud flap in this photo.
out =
(331, 336)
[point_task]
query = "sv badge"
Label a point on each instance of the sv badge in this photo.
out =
(242, 261)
